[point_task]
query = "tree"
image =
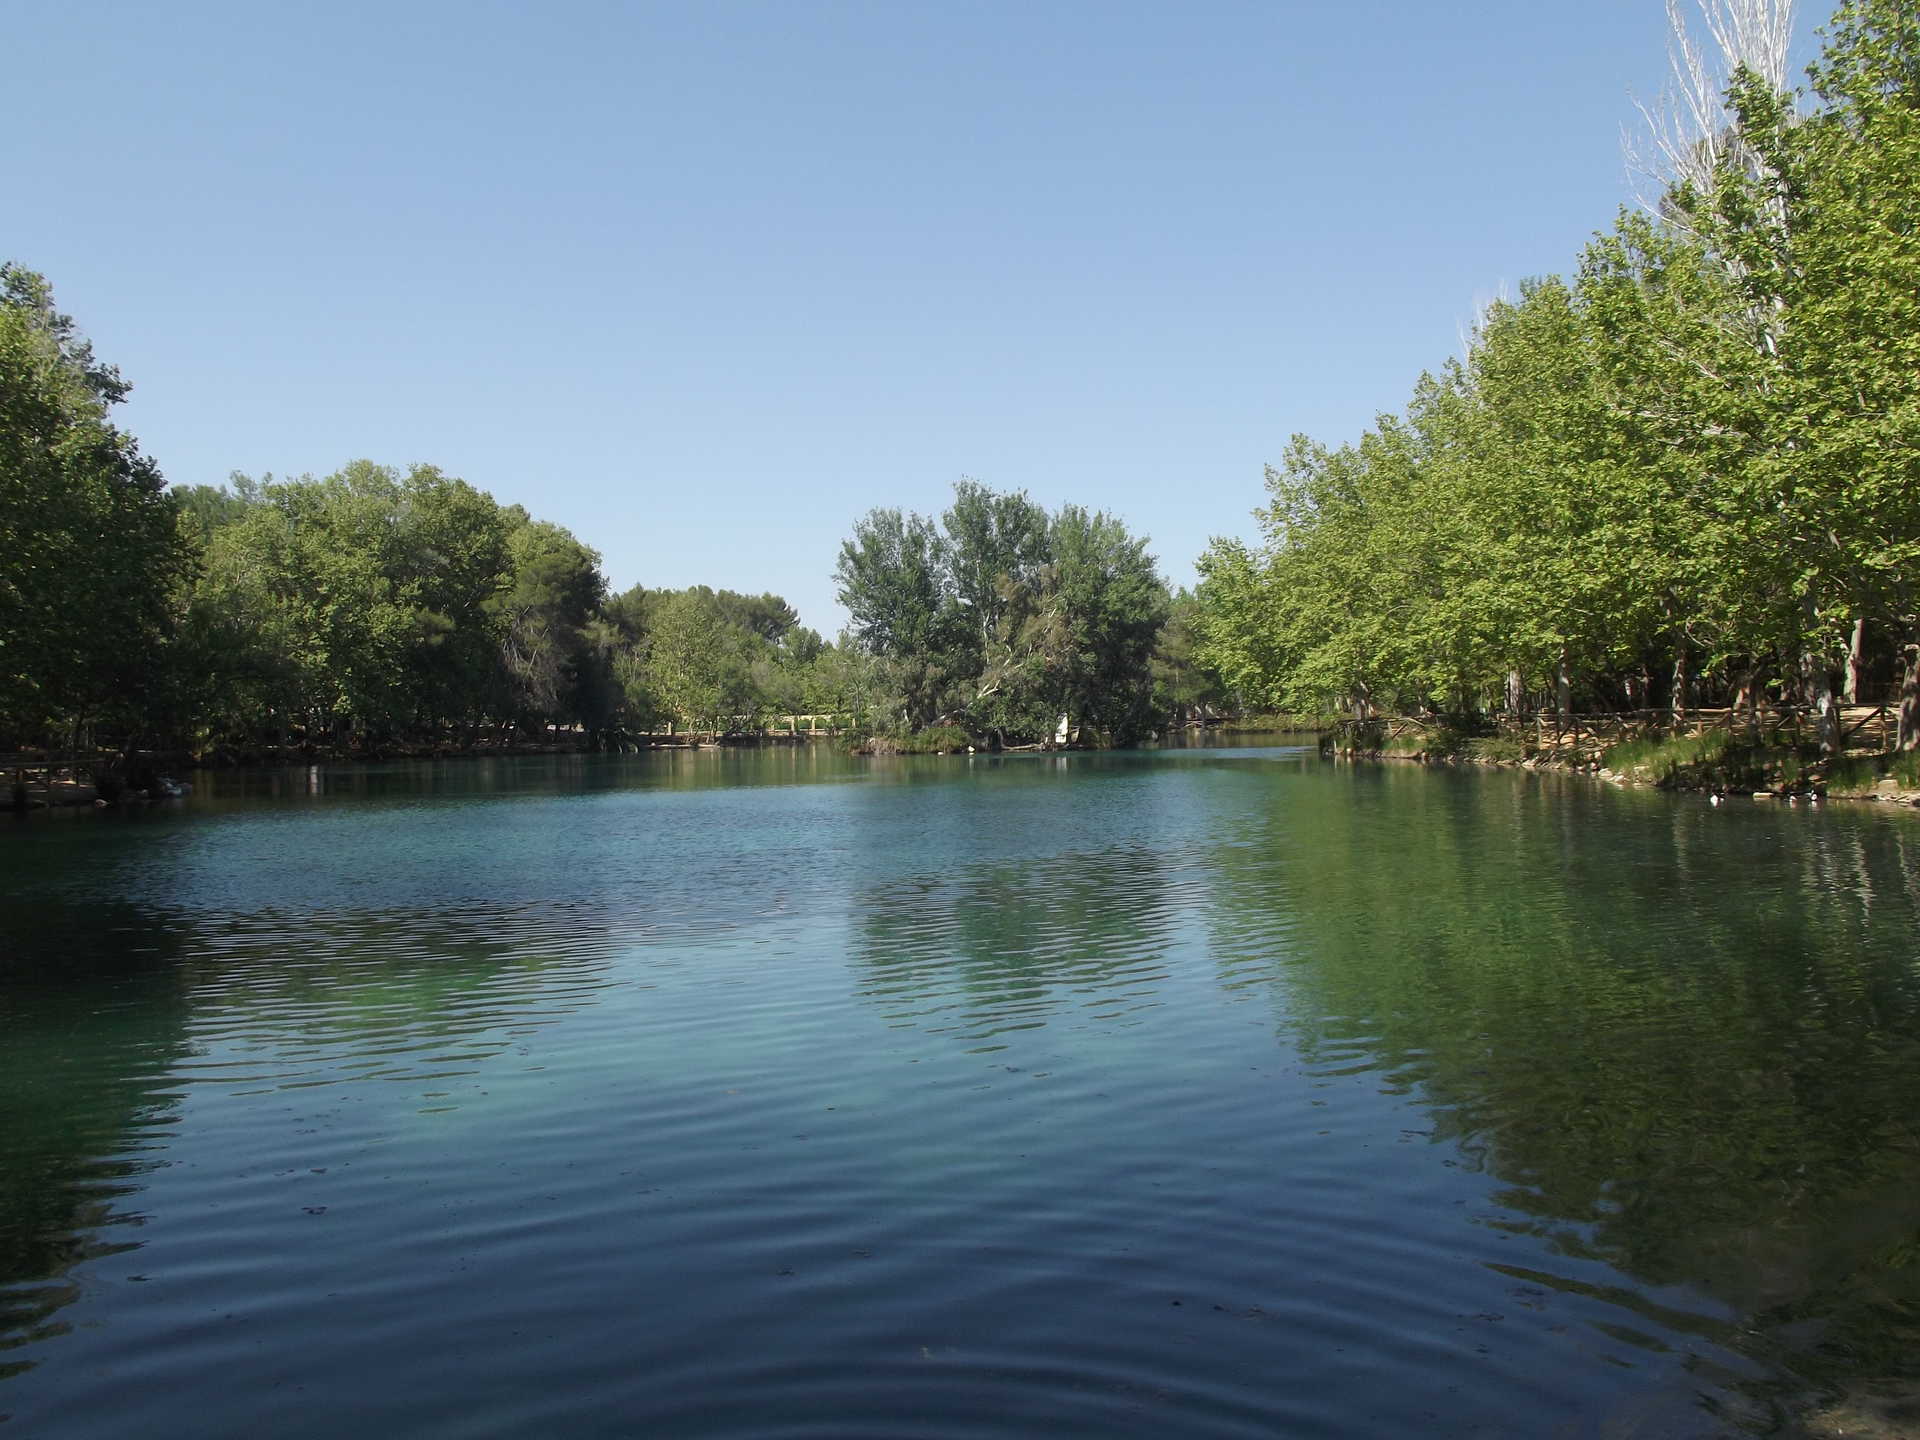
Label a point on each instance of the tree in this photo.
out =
(554, 592)
(91, 555)
(1183, 685)
(700, 660)
(1005, 619)
(892, 578)
(1100, 619)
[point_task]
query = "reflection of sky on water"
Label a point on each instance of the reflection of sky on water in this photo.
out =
(1644, 1068)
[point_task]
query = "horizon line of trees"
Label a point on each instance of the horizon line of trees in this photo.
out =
(1687, 473)
(368, 606)
(376, 605)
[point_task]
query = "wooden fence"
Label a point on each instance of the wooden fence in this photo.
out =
(792, 727)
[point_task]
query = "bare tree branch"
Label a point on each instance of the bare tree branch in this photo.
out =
(1687, 131)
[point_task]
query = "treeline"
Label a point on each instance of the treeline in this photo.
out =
(1010, 624)
(377, 607)
(375, 604)
(1689, 473)
(366, 607)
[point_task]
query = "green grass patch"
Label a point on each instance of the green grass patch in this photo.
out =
(1854, 774)
(936, 740)
(1664, 759)
(1863, 774)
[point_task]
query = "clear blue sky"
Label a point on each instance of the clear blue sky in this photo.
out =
(705, 282)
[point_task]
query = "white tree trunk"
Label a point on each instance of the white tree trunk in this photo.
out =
(1856, 660)
(1817, 683)
(1909, 732)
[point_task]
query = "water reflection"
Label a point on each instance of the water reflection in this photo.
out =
(1201, 1093)
(1006, 946)
(93, 1013)
(1686, 1043)
(122, 1020)
(409, 781)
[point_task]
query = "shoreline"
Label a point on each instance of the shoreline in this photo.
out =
(1642, 777)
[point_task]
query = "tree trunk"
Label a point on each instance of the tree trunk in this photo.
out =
(1817, 685)
(1747, 699)
(1563, 686)
(1909, 732)
(1682, 682)
(1856, 661)
(1516, 694)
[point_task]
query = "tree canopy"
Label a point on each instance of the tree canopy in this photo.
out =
(90, 549)
(1691, 468)
(1005, 620)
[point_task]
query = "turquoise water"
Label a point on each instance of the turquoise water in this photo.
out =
(777, 1093)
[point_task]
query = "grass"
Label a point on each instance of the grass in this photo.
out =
(1717, 760)
(1862, 774)
(934, 740)
(1853, 774)
(1664, 759)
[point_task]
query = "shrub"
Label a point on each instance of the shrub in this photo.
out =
(939, 740)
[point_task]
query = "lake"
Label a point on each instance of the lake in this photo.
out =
(777, 1093)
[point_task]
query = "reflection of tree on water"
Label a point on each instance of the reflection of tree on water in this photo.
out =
(405, 782)
(92, 1011)
(994, 948)
(112, 1013)
(1689, 1042)
(394, 981)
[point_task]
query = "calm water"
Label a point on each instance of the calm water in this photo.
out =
(768, 1094)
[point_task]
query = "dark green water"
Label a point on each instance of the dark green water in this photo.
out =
(767, 1094)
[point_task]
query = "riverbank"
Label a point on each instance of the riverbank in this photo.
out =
(1715, 763)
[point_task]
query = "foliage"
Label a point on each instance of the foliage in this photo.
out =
(1008, 621)
(933, 740)
(1691, 469)
(91, 550)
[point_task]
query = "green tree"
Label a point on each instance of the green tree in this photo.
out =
(555, 591)
(91, 554)
(892, 578)
(700, 660)
(1100, 619)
